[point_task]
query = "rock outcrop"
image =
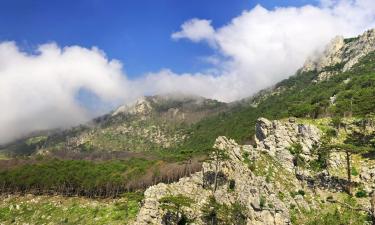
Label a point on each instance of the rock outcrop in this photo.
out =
(276, 137)
(341, 54)
(240, 183)
(248, 191)
(141, 107)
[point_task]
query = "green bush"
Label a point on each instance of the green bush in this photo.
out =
(361, 194)
(232, 185)
(262, 201)
(301, 192)
(354, 171)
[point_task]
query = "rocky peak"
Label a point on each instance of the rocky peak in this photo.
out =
(141, 107)
(341, 54)
(330, 56)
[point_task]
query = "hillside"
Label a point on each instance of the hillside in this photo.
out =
(151, 123)
(279, 181)
(348, 91)
(310, 162)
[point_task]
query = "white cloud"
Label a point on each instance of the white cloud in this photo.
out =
(251, 52)
(196, 30)
(39, 91)
(261, 46)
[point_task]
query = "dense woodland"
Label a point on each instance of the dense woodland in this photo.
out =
(91, 178)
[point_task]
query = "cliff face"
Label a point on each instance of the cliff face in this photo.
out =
(341, 55)
(253, 177)
(275, 137)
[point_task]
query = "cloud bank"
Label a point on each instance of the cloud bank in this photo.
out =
(42, 90)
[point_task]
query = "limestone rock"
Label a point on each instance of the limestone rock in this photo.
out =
(140, 107)
(277, 136)
(341, 54)
(247, 191)
(258, 196)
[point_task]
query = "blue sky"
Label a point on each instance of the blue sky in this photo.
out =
(136, 32)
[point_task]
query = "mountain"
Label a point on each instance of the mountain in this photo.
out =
(151, 123)
(336, 83)
(348, 91)
(177, 159)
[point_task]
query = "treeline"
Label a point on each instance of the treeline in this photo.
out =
(91, 179)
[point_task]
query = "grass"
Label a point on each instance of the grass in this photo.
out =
(60, 210)
(3, 156)
(330, 214)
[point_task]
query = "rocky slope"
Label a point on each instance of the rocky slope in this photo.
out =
(263, 180)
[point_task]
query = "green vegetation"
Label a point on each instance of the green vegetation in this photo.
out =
(262, 201)
(361, 194)
(216, 213)
(175, 203)
(300, 97)
(73, 210)
(173, 206)
(266, 166)
(76, 177)
(331, 214)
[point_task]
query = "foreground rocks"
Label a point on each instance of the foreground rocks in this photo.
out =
(263, 180)
(276, 137)
(247, 191)
(239, 182)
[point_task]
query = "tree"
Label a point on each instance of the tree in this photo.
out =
(296, 150)
(173, 205)
(336, 122)
(349, 148)
(217, 156)
(323, 150)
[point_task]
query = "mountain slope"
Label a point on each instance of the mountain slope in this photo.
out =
(350, 91)
(151, 123)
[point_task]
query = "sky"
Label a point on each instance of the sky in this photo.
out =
(65, 62)
(135, 32)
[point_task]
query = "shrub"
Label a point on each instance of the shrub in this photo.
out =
(262, 201)
(232, 185)
(301, 192)
(354, 171)
(361, 194)
(173, 205)
(281, 195)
